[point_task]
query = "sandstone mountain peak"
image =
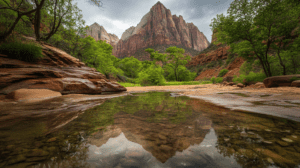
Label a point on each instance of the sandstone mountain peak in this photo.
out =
(157, 28)
(99, 33)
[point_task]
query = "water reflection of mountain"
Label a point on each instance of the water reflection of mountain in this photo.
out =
(122, 152)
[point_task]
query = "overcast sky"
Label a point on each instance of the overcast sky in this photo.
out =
(118, 15)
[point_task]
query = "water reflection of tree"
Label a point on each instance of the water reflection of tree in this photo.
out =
(247, 149)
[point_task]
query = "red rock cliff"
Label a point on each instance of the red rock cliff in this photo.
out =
(159, 27)
(99, 33)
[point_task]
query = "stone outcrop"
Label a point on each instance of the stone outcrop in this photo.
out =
(57, 71)
(220, 53)
(277, 81)
(99, 33)
(295, 83)
(32, 94)
(159, 27)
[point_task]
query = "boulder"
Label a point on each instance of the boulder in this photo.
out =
(296, 83)
(225, 83)
(240, 85)
(231, 83)
(57, 71)
(228, 79)
(276, 81)
(248, 83)
(32, 94)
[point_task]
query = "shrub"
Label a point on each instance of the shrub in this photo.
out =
(206, 82)
(25, 52)
(245, 68)
(219, 80)
(255, 77)
(294, 78)
(151, 76)
(223, 72)
(252, 77)
(213, 80)
(239, 79)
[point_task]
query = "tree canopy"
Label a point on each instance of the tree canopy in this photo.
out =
(258, 24)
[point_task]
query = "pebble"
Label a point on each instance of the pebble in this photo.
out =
(294, 136)
(226, 139)
(268, 130)
(287, 140)
(270, 160)
(267, 142)
(52, 139)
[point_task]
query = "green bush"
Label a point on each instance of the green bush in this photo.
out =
(239, 79)
(223, 72)
(206, 82)
(294, 78)
(255, 77)
(25, 52)
(219, 80)
(252, 77)
(246, 68)
(151, 76)
(213, 80)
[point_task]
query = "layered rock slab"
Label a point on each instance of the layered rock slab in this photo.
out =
(57, 71)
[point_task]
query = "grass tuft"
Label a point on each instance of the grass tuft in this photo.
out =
(17, 50)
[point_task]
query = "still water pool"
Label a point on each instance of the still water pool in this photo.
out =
(152, 130)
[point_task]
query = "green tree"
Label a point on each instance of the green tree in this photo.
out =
(153, 75)
(97, 54)
(17, 9)
(250, 23)
(14, 11)
(131, 66)
(176, 59)
(155, 56)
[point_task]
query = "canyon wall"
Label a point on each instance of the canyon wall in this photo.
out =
(99, 33)
(158, 27)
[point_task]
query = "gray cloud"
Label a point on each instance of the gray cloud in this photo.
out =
(118, 15)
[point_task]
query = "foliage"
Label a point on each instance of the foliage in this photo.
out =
(223, 72)
(11, 12)
(251, 77)
(246, 68)
(239, 79)
(131, 66)
(252, 22)
(213, 80)
(219, 80)
(151, 76)
(125, 84)
(97, 54)
(206, 82)
(294, 78)
(25, 52)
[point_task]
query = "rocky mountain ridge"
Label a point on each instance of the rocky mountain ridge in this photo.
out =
(99, 33)
(159, 27)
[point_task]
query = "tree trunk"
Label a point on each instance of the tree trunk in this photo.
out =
(281, 63)
(37, 20)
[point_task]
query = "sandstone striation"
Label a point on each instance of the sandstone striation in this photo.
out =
(99, 33)
(159, 27)
(57, 71)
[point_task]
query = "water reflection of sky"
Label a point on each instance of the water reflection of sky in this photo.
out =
(120, 151)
